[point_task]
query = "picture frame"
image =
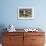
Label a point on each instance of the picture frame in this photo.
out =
(25, 13)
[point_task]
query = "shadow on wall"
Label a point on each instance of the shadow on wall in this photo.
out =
(2, 26)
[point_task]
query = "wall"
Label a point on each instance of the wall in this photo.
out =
(9, 13)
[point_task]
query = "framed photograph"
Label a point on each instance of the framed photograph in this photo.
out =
(25, 13)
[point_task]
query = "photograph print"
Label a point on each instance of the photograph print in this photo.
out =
(25, 13)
